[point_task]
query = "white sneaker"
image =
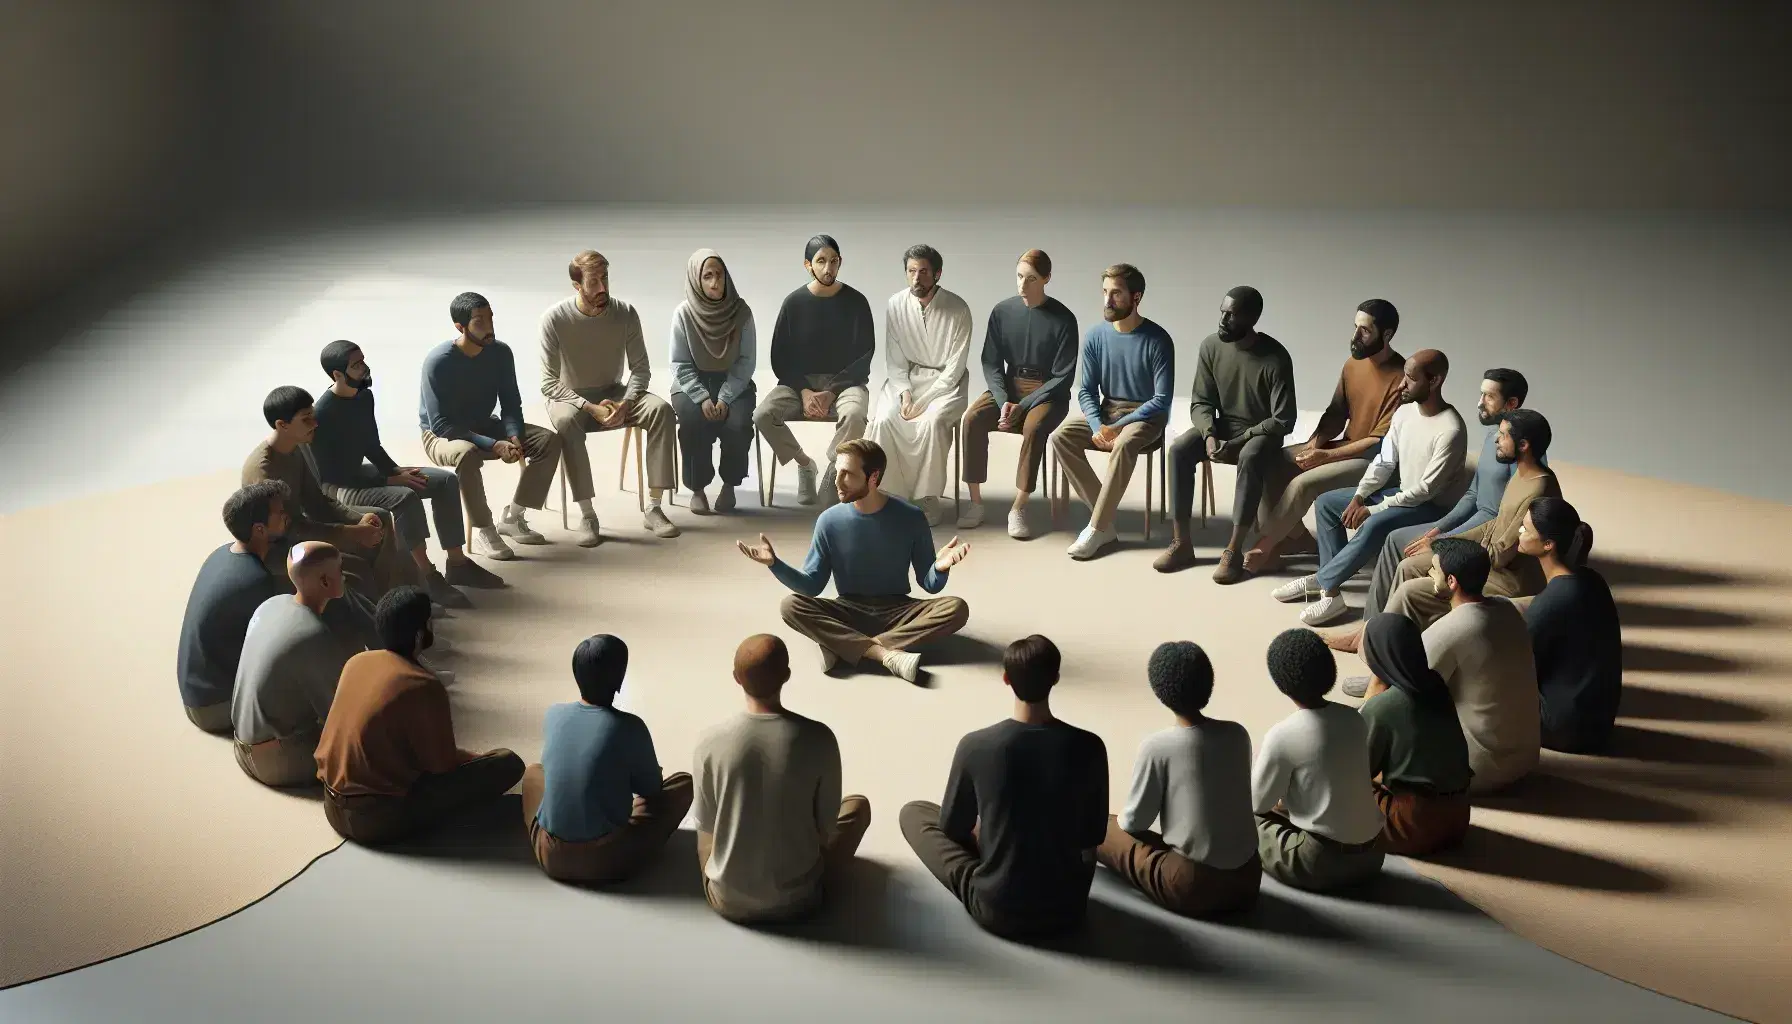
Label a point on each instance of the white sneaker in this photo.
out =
(904, 665)
(518, 529)
(971, 517)
(588, 535)
(1325, 611)
(830, 489)
(491, 545)
(936, 514)
(805, 484)
(1018, 527)
(656, 522)
(828, 660)
(1296, 590)
(1090, 543)
(1355, 686)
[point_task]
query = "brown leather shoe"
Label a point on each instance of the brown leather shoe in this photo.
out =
(1178, 556)
(1228, 571)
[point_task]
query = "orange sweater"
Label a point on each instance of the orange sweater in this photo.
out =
(388, 725)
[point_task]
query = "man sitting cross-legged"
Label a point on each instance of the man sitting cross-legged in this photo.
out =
(287, 677)
(772, 829)
(232, 584)
(388, 759)
(1025, 808)
(596, 807)
(1318, 826)
(868, 543)
(1195, 778)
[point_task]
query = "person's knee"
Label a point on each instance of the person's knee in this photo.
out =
(564, 419)
(1189, 447)
(956, 610)
(795, 608)
(915, 816)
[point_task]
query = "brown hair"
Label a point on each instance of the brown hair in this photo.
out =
(869, 453)
(1128, 275)
(1038, 260)
(762, 665)
(590, 259)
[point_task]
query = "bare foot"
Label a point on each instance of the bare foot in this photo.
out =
(1260, 561)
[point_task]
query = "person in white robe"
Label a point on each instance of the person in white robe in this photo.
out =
(927, 344)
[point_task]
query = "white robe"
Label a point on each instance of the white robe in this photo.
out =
(925, 352)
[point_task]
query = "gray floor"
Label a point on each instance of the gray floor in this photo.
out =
(461, 926)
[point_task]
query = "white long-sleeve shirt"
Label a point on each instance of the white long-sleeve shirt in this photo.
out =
(1316, 763)
(1426, 454)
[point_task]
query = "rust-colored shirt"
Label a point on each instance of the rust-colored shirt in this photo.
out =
(388, 725)
(1368, 394)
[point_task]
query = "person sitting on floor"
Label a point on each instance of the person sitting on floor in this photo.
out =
(287, 677)
(714, 351)
(388, 758)
(1483, 651)
(868, 543)
(1575, 638)
(772, 830)
(232, 584)
(1195, 777)
(1025, 809)
(596, 807)
(1318, 826)
(1417, 753)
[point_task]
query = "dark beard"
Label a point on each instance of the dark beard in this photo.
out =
(1230, 334)
(1365, 351)
(1504, 460)
(1489, 419)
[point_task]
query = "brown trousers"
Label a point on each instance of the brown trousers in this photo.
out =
(371, 819)
(848, 626)
(288, 761)
(1035, 430)
(1421, 823)
(618, 854)
(954, 866)
(541, 454)
(650, 413)
(850, 826)
(1174, 882)
(1073, 440)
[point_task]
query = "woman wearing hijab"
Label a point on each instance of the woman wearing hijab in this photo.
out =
(1417, 753)
(713, 355)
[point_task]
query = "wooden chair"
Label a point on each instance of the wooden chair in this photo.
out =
(769, 484)
(1060, 493)
(631, 435)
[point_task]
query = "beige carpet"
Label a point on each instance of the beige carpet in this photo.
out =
(1664, 865)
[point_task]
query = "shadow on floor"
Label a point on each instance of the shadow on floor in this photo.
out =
(1640, 657)
(1678, 616)
(1675, 706)
(1637, 572)
(1636, 743)
(1487, 852)
(1118, 935)
(1558, 796)
(490, 832)
(962, 649)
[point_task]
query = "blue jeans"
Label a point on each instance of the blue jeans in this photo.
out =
(441, 490)
(1339, 559)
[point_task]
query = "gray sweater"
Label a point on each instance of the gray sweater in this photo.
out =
(287, 675)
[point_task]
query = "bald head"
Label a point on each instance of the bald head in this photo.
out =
(315, 568)
(1425, 373)
(762, 666)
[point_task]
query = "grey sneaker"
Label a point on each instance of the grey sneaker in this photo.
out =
(805, 484)
(588, 534)
(442, 592)
(935, 511)
(488, 543)
(518, 530)
(1355, 686)
(656, 522)
(700, 504)
(830, 490)
(972, 516)
(725, 499)
(471, 574)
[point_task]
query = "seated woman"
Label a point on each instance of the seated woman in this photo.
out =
(713, 355)
(1194, 777)
(596, 807)
(1318, 827)
(1575, 636)
(1417, 752)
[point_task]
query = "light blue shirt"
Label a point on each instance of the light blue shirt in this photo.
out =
(690, 379)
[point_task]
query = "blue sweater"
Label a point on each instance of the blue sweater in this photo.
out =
(867, 555)
(1135, 367)
(1481, 502)
(594, 762)
(459, 391)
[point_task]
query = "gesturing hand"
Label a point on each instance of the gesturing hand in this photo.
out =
(1355, 514)
(761, 552)
(948, 556)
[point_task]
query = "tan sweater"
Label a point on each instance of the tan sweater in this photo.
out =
(314, 514)
(1499, 535)
(584, 353)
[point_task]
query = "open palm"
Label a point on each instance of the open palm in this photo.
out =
(761, 552)
(950, 555)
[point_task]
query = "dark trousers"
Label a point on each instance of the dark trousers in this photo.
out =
(1174, 882)
(371, 819)
(955, 865)
(1254, 459)
(618, 854)
(697, 437)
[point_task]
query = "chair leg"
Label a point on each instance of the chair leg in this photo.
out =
(957, 476)
(641, 473)
(1149, 467)
(758, 470)
(564, 522)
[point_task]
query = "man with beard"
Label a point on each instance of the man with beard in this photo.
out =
(1129, 376)
(1242, 407)
(1362, 406)
(587, 339)
(927, 340)
(821, 353)
(868, 544)
(1029, 362)
(1415, 477)
(462, 380)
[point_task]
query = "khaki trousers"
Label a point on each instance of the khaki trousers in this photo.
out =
(850, 826)
(1288, 492)
(783, 405)
(287, 761)
(541, 453)
(1415, 593)
(1035, 430)
(848, 626)
(618, 854)
(1174, 882)
(1307, 860)
(373, 819)
(650, 413)
(1073, 439)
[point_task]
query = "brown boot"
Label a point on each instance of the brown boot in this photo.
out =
(1181, 552)
(1229, 571)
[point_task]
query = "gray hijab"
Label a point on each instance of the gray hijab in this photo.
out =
(711, 326)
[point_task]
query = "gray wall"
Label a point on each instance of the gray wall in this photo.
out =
(1568, 104)
(104, 136)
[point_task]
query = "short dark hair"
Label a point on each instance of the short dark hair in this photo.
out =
(1465, 560)
(1386, 317)
(820, 242)
(336, 357)
(253, 504)
(1127, 274)
(1302, 666)
(924, 252)
(1531, 427)
(400, 616)
(284, 404)
(1031, 665)
(1181, 676)
(598, 666)
(1560, 524)
(872, 458)
(463, 307)
(1512, 383)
